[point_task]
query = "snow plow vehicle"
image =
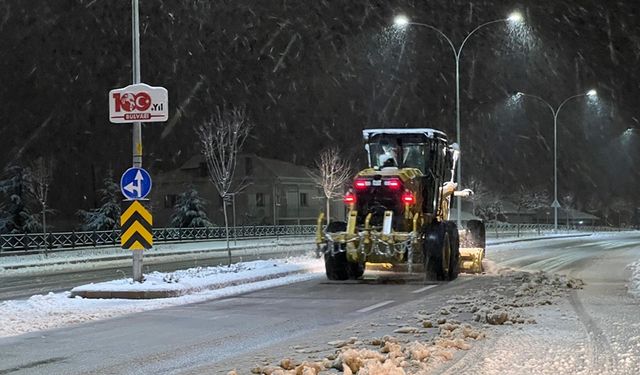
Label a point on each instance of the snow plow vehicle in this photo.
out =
(399, 211)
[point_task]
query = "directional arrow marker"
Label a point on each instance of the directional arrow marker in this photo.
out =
(136, 227)
(133, 188)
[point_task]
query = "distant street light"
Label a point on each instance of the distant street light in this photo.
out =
(555, 112)
(402, 21)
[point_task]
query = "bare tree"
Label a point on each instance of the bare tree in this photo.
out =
(221, 138)
(41, 175)
(480, 194)
(622, 206)
(530, 199)
(331, 175)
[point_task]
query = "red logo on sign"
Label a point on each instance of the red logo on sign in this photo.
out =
(132, 102)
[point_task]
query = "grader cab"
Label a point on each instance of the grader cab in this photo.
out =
(399, 211)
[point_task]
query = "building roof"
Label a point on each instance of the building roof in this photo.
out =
(510, 208)
(284, 169)
(278, 168)
(575, 214)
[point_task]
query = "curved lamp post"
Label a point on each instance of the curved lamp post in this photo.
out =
(555, 112)
(402, 21)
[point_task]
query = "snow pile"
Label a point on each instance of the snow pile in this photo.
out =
(634, 282)
(57, 310)
(203, 278)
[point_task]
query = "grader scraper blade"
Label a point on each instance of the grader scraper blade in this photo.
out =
(471, 259)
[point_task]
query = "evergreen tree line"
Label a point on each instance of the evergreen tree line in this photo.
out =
(19, 205)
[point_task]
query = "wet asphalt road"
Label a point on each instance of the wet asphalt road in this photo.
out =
(208, 337)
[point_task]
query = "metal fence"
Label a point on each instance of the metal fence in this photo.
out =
(507, 228)
(11, 244)
(34, 242)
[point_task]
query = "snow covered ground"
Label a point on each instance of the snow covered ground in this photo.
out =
(634, 282)
(448, 335)
(57, 310)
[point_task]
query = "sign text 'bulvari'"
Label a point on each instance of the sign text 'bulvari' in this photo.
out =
(138, 103)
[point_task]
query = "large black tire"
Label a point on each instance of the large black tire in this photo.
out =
(356, 270)
(437, 252)
(477, 236)
(337, 267)
(454, 237)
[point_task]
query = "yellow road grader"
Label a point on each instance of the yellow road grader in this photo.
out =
(399, 211)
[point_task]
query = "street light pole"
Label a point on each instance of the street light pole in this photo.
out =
(457, 53)
(556, 112)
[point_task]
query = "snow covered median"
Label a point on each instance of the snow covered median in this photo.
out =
(56, 310)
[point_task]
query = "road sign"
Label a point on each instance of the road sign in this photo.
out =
(135, 183)
(138, 103)
(137, 227)
(555, 204)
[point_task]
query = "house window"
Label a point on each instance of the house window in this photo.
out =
(259, 200)
(204, 170)
(170, 200)
(303, 200)
(248, 166)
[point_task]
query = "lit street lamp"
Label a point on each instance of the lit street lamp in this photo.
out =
(402, 21)
(555, 112)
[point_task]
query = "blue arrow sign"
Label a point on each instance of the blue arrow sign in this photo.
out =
(135, 183)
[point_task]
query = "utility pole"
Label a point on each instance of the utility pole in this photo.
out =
(137, 126)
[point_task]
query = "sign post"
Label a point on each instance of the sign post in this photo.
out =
(135, 104)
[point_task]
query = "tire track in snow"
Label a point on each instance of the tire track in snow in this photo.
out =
(601, 352)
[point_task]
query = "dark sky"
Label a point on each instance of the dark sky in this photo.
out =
(313, 74)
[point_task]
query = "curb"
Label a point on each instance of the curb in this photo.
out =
(154, 294)
(515, 240)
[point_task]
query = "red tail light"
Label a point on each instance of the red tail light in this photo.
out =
(408, 198)
(393, 183)
(361, 184)
(349, 198)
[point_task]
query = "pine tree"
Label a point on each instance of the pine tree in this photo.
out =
(107, 216)
(15, 203)
(189, 211)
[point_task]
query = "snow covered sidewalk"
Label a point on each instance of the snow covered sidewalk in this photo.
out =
(55, 310)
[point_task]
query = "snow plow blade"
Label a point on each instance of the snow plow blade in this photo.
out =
(473, 242)
(471, 259)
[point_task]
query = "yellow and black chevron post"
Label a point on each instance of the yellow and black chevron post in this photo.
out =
(136, 223)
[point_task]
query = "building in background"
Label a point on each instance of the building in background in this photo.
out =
(274, 192)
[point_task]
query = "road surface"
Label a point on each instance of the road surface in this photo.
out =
(263, 326)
